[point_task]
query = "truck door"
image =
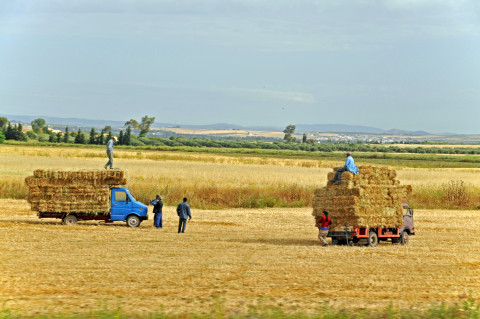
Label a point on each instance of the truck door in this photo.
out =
(408, 218)
(121, 205)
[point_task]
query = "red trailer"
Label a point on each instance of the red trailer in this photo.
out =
(370, 236)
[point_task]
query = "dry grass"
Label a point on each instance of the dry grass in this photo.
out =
(212, 181)
(238, 256)
(217, 181)
(437, 177)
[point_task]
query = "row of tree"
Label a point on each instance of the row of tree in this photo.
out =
(41, 131)
(11, 132)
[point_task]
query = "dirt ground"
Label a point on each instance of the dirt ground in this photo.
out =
(233, 258)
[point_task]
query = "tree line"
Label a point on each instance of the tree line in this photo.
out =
(10, 131)
(41, 132)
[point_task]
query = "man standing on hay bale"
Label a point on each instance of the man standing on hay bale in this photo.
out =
(157, 210)
(348, 167)
(110, 152)
(322, 224)
(183, 211)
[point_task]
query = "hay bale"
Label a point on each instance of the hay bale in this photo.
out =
(371, 198)
(67, 191)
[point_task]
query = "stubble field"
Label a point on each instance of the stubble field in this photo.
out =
(231, 259)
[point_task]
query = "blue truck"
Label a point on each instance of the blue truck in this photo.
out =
(123, 207)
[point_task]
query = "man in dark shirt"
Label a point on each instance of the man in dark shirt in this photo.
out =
(322, 224)
(157, 210)
(183, 211)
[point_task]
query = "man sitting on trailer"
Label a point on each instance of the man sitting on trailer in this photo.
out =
(322, 224)
(348, 167)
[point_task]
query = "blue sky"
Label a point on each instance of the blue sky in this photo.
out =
(408, 64)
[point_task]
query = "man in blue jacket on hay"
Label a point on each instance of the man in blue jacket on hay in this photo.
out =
(348, 167)
(183, 211)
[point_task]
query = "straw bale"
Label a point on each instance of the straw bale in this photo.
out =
(371, 198)
(86, 177)
(66, 191)
(368, 175)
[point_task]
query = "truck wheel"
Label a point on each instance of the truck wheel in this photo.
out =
(70, 219)
(372, 239)
(133, 221)
(404, 238)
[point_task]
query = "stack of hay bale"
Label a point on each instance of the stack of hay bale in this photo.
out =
(371, 198)
(67, 191)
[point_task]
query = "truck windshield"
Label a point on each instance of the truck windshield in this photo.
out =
(132, 197)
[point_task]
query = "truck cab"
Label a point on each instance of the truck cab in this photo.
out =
(124, 207)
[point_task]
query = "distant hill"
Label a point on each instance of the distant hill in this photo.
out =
(403, 132)
(338, 128)
(227, 126)
(301, 128)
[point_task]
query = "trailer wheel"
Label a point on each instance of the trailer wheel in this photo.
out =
(372, 239)
(404, 238)
(70, 219)
(133, 221)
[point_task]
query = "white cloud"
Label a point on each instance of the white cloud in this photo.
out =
(246, 93)
(271, 95)
(305, 25)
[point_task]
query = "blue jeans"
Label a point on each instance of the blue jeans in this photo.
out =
(110, 159)
(157, 220)
(180, 222)
(338, 174)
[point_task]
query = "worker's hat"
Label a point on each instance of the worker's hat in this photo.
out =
(114, 138)
(348, 153)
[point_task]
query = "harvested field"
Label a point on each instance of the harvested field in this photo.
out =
(234, 257)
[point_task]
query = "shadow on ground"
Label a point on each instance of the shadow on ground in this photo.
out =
(279, 241)
(58, 222)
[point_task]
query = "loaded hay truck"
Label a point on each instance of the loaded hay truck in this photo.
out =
(370, 236)
(73, 195)
(366, 208)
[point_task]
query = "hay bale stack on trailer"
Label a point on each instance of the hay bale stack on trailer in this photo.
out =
(72, 190)
(371, 200)
(82, 194)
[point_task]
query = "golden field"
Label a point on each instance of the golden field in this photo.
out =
(229, 257)
(233, 257)
(221, 181)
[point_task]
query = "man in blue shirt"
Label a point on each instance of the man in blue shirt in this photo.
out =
(157, 210)
(183, 211)
(348, 167)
